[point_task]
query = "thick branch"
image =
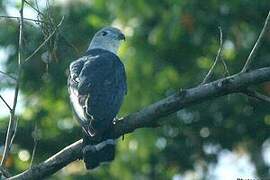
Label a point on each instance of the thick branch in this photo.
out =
(149, 116)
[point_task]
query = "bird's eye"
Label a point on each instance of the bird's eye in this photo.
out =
(104, 33)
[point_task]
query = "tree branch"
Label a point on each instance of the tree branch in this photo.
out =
(6, 74)
(257, 44)
(256, 95)
(150, 115)
(35, 137)
(34, 8)
(5, 102)
(26, 19)
(13, 120)
(45, 41)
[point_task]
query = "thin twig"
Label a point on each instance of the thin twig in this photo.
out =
(45, 41)
(33, 153)
(225, 67)
(14, 130)
(256, 94)
(51, 22)
(208, 75)
(40, 21)
(9, 137)
(5, 102)
(257, 44)
(35, 136)
(37, 5)
(12, 120)
(26, 19)
(36, 9)
(6, 74)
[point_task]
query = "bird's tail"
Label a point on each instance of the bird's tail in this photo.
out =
(95, 153)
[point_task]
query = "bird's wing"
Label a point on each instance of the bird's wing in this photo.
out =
(79, 100)
(98, 78)
(76, 99)
(74, 71)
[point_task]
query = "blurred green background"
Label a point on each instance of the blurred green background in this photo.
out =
(170, 44)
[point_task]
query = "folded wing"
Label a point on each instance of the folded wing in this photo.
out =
(97, 85)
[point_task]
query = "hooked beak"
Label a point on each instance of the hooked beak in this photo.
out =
(121, 36)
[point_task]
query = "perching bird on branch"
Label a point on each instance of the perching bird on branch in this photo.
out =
(97, 86)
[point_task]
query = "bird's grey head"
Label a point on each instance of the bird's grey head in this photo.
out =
(108, 38)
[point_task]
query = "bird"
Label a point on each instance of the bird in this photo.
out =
(97, 86)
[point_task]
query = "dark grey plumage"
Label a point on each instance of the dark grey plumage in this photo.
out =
(97, 86)
(99, 81)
